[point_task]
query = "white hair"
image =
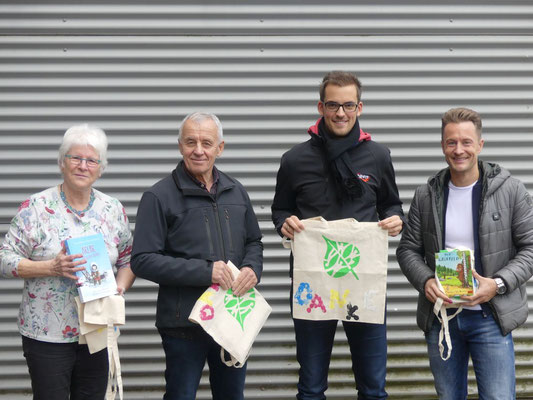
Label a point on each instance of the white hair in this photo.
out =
(84, 135)
(200, 117)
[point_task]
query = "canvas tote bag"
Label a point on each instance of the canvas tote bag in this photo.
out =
(340, 271)
(233, 322)
(99, 320)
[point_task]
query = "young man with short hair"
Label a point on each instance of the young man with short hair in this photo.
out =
(338, 173)
(477, 205)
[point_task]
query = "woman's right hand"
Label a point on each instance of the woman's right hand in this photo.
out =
(65, 265)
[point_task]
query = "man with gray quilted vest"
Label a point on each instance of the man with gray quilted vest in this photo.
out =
(477, 205)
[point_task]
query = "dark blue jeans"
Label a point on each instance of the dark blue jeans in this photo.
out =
(185, 360)
(63, 371)
(473, 334)
(368, 346)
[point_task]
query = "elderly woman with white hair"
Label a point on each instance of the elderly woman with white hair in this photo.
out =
(34, 250)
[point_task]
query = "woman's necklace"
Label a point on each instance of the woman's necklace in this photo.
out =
(78, 213)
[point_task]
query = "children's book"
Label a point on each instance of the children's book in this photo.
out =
(98, 279)
(453, 273)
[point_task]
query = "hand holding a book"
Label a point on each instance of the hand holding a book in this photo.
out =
(222, 275)
(487, 290)
(66, 265)
(432, 292)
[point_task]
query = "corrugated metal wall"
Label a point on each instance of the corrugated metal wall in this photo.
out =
(136, 69)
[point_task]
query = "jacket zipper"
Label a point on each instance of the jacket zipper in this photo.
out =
(437, 213)
(209, 238)
(219, 231)
(435, 203)
(228, 228)
(436, 220)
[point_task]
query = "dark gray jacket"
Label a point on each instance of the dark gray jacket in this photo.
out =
(505, 236)
(181, 230)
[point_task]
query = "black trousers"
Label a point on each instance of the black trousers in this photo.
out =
(65, 371)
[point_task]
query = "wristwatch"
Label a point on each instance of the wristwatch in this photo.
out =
(501, 288)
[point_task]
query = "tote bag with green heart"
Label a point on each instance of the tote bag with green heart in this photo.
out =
(340, 271)
(232, 321)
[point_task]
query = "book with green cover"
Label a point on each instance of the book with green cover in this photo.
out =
(453, 273)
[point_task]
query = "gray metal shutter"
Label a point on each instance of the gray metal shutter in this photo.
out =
(137, 69)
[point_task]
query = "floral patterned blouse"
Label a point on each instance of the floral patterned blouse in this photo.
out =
(43, 222)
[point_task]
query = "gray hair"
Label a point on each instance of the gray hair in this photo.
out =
(200, 117)
(84, 135)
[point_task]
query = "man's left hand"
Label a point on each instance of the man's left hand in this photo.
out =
(244, 282)
(392, 224)
(487, 290)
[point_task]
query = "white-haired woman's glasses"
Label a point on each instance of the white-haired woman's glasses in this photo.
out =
(77, 160)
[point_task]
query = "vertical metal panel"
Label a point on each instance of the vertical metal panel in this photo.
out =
(136, 70)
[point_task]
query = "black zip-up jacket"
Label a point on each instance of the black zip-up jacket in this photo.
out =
(306, 188)
(181, 230)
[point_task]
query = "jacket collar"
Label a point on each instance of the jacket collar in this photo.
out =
(189, 188)
(313, 130)
(492, 177)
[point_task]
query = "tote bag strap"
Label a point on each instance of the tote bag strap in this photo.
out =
(286, 242)
(444, 334)
(114, 382)
(232, 362)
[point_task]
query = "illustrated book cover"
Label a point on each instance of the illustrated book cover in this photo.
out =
(98, 279)
(453, 273)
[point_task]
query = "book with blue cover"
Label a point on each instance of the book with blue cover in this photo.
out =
(98, 279)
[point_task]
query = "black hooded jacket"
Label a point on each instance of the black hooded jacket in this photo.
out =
(306, 188)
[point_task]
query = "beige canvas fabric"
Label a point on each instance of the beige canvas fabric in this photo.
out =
(340, 271)
(440, 311)
(99, 320)
(233, 322)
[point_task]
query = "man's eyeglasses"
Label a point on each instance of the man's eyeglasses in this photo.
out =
(348, 107)
(76, 160)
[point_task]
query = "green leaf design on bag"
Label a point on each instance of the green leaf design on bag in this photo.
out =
(341, 258)
(240, 306)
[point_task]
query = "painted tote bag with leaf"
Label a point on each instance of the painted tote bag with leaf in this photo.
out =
(340, 271)
(233, 322)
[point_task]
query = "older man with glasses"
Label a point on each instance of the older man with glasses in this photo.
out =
(338, 173)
